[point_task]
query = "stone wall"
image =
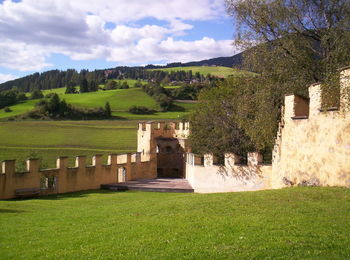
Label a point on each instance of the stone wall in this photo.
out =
(313, 144)
(65, 179)
(205, 174)
(312, 148)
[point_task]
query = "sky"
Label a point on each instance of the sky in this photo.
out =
(41, 35)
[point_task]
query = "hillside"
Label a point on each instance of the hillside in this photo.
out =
(120, 100)
(234, 61)
(218, 71)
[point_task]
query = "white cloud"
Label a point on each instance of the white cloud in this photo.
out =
(33, 29)
(22, 57)
(6, 77)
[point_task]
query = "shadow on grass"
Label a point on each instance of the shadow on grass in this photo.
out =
(77, 194)
(176, 108)
(11, 211)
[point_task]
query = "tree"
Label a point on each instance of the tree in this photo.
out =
(71, 90)
(216, 125)
(93, 86)
(124, 85)
(108, 110)
(84, 87)
(138, 84)
(290, 44)
(36, 94)
(111, 84)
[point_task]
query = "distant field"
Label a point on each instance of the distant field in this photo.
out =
(120, 100)
(291, 223)
(205, 70)
(50, 139)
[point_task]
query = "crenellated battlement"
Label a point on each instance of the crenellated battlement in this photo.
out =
(313, 143)
(297, 107)
(62, 179)
(178, 129)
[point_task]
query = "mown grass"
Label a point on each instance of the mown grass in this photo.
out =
(293, 223)
(215, 71)
(51, 139)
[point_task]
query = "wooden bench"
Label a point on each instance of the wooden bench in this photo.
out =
(26, 193)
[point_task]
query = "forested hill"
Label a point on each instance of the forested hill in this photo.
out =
(57, 79)
(70, 78)
(234, 61)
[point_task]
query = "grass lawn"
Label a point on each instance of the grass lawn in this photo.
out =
(293, 223)
(50, 139)
(215, 71)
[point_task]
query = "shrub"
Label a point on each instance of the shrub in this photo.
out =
(36, 94)
(140, 110)
(7, 109)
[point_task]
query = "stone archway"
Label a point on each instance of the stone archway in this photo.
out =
(170, 158)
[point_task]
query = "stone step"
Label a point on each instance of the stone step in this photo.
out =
(153, 185)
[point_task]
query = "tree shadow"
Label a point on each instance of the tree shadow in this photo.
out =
(11, 211)
(176, 108)
(77, 194)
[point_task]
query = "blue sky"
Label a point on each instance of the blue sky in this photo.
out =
(40, 35)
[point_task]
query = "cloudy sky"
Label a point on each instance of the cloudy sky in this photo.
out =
(39, 35)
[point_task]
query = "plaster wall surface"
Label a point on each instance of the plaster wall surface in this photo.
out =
(210, 178)
(314, 150)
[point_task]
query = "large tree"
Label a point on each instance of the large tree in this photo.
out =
(290, 44)
(304, 38)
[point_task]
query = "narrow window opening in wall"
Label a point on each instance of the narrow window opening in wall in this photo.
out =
(159, 171)
(168, 149)
(143, 151)
(177, 126)
(242, 160)
(219, 160)
(121, 174)
(175, 172)
(301, 108)
(47, 183)
(330, 96)
(157, 149)
(178, 148)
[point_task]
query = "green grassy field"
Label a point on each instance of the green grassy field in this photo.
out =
(50, 139)
(120, 100)
(215, 71)
(293, 223)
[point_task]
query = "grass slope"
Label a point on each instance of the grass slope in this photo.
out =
(120, 100)
(215, 71)
(50, 139)
(294, 223)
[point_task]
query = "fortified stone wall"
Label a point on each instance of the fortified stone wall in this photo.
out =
(313, 144)
(165, 142)
(312, 148)
(206, 175)
(65, 179)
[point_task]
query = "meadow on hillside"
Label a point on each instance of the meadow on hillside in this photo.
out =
(213, 70)
(120, 100)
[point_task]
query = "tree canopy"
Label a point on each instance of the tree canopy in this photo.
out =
(290, 44)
